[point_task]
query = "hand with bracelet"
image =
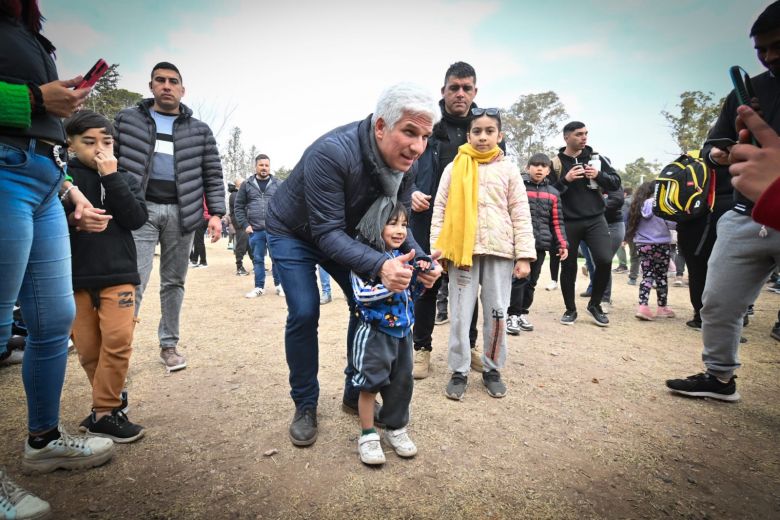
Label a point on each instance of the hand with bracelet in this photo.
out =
(84, 216)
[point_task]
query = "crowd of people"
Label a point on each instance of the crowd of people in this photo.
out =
(415, 212)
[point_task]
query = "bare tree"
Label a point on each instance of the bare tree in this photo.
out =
(530, 123)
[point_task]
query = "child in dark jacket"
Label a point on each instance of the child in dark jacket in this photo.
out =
(105, 272)
(382, 350)
(547, 219)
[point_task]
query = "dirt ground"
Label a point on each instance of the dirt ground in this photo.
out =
(587, 429)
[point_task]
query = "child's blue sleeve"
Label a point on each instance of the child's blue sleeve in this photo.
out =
(365, 291)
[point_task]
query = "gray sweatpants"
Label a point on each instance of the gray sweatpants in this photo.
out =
(494, 275)
(384, 365)
(164, 226)
(740, 263)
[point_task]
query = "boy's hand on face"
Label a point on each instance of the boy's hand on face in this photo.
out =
(563, 253)
(106, 162)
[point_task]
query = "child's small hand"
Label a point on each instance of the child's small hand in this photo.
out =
(106, 162)
(522, 269)
(422, 265)
(93, 220)
(563, 253)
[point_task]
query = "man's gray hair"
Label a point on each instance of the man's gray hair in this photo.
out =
(406, 98)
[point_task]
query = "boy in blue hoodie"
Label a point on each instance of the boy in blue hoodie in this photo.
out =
(382, 351)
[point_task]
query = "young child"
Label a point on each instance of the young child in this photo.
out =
(482, 226)
(547, 220)
(104, 272)
(382, 349)
(652, 238)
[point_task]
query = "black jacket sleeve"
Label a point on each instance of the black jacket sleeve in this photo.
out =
(124, 200)
(240, 206)
(608, 179)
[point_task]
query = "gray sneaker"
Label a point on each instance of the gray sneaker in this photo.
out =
(172, 360)
(456, 388)
(492, 381)
(67, 452)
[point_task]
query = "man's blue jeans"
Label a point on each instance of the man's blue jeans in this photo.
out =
(296, 263)
(35, 267)
(258, 244)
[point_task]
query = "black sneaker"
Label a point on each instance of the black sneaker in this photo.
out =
(124, 407)
(241, 271)
(303, 428)
(569, 317)
(492, 381)
(117, 427)
(456, 388)
(620, 269)
(441, 318)
(694, 324)
(585, 294)
(599, 318)
(705, 385)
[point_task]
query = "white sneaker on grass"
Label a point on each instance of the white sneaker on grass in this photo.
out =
(370, 449)
(279, 291)
(254, 293)
(67, 452)
(401, 443)
(551, 286)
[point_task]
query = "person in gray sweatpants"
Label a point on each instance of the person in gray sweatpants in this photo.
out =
(745, 253)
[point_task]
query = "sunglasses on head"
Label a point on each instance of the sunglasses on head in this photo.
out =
(476, 112)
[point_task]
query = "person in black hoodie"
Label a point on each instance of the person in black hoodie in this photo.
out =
(105, 273)
(581, 187)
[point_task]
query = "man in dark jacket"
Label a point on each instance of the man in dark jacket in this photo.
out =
(347, 179)
(251, 209)
(175, 159)
(458, 92)
(240, 241)
(581, 186)
(745, 253)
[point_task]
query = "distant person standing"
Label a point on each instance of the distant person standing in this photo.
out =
(581, 186)
(251, 209)
(175, 159)
(240, 240)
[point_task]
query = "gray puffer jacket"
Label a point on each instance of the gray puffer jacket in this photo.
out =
(252, 203)
(198, 169)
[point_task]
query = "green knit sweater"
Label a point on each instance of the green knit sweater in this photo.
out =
(15, 107)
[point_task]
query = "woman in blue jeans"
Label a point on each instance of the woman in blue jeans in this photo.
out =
(35, 247)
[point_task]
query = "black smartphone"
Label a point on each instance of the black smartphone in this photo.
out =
(723, 143)
(742, 85)
(743, 89)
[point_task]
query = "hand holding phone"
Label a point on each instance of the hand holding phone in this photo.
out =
(95, 73)
(723, 143)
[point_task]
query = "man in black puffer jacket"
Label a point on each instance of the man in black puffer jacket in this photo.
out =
(345, 175)
(174, 158)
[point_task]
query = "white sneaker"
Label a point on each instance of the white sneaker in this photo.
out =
(524, 324)
(18, 503)
(513, 325)
(370, 449)
(279, 291)
(67, 452)
(551, 286)
(254, 293)
(401, 442)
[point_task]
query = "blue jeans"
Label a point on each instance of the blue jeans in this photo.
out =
(324, 280)
(258, 244)
(296, 263)
(35, 266)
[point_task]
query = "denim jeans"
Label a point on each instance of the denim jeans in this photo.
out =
(324, 280)
(258, 245)
(35, 266)
(164, 226)
(296, 263)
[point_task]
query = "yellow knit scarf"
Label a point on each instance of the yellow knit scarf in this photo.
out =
(459, 231)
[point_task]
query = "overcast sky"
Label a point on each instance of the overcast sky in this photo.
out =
(292, 70)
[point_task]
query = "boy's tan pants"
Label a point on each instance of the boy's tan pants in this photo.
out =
(103, 337)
